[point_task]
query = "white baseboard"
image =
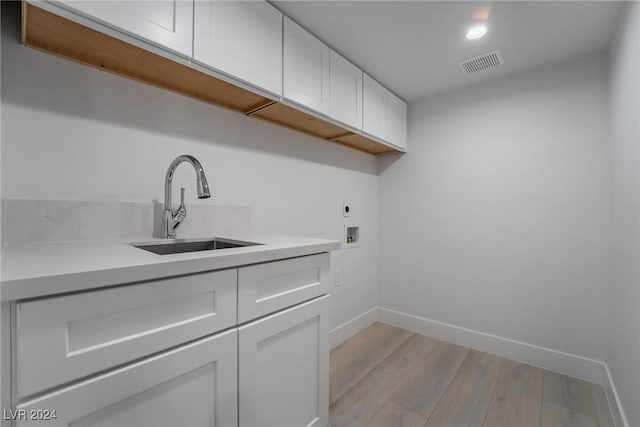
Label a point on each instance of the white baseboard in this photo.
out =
(552, 360)
(353, 326)
(619, 417)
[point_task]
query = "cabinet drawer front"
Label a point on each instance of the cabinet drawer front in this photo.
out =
(65, 338)
(265, 288)
(193, 385)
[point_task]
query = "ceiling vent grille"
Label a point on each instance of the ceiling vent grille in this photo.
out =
(481, 62)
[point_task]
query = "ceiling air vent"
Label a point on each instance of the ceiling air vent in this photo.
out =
(481, 62)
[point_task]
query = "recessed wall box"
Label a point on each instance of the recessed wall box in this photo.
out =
(351, 236)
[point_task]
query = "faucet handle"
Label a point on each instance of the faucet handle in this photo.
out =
(181, 213)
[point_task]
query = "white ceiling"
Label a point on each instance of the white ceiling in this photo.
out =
(413, 47)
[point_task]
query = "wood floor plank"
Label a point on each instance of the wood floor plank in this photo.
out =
(350, 369)
(466, 400)
(517, 396)
(392, 415)
(404, 361)
(601, 406)
(558, 416)
(355, 342)
(422, 391)
(571, 393)
(361, 403)
(449, 385)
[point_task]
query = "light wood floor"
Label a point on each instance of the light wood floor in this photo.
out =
(386, 377)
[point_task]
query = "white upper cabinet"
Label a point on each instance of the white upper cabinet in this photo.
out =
(306, 68)
(166, 23)
(396, 121)
(346, 92)
(373, 107)
(242, 39)
(384, 114)
(250, 45)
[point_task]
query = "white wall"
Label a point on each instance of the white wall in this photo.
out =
(497, 220)
(71, 132)
(623, 357)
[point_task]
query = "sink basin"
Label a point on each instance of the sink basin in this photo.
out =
(193, 245)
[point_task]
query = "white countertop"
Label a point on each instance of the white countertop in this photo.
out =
(39, 269)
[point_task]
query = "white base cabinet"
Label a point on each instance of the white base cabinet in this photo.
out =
(194, 385)
(284, 368)
(177, 352)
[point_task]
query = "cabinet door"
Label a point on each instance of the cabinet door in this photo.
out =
(242, 39)
(396, 121)
(194, 385)
(284, 368)
(346, 91)
(306, 68)
(374, 104)
(166, 23)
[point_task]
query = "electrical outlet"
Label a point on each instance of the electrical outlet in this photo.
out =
(338, 277)
(346, 209)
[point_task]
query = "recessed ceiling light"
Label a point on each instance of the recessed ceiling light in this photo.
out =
(476, 32)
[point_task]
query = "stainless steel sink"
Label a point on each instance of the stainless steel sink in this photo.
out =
(191, 245)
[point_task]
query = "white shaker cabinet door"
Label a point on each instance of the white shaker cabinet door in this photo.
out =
(241, 39)
(396, 121)
(306, 68)
(346, 91)
(194, 385)
(284, 368)
(166, 23)
(374, 105)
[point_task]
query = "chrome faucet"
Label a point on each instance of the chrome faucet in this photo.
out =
(170, 219)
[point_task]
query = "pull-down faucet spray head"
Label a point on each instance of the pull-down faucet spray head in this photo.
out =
(201, 182)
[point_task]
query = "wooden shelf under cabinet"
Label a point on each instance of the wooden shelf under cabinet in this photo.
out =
(47, 31)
